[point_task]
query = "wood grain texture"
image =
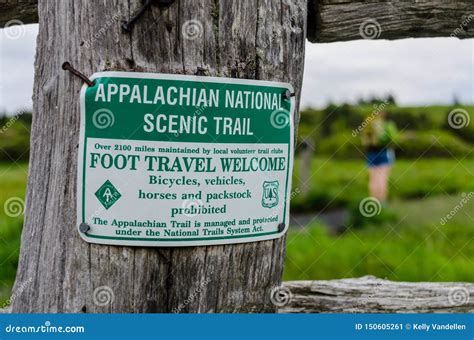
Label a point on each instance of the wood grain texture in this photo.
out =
(26, 11)
(343, 20)
(371, 295)
(261, 39)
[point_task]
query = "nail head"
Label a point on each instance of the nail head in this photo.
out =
(287, 94)
(125, 26)
(84, 228)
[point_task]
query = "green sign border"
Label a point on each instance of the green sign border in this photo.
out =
(83, 137)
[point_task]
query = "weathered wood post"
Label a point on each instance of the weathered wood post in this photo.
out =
(306, 156)
(58, 272)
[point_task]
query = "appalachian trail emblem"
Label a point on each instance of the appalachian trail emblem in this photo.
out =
(107, 194)
(270, 194)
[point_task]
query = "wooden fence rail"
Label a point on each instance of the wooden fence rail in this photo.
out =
(343, 20)
(369, 294)
(24, 10)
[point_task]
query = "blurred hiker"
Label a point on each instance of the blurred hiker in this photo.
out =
(377, 138)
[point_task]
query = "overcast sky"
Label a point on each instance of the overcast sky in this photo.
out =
(415, 71)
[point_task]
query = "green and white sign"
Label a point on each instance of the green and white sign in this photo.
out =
(173, 160)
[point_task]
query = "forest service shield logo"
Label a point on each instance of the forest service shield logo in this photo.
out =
(270, 194)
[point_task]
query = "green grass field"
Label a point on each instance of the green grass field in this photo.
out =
(414, 247)
(417, 247)
(13, 184)
(336, 183)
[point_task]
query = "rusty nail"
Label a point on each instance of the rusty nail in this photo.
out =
(67, 67)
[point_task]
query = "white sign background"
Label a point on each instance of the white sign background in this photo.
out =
(130, 208)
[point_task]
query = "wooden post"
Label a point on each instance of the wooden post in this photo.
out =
(306, 156)
(58, 272)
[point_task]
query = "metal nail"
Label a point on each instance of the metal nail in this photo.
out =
(281, 227)
(127, 25)
(67, 67)
(287, 94)
(84, 228)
